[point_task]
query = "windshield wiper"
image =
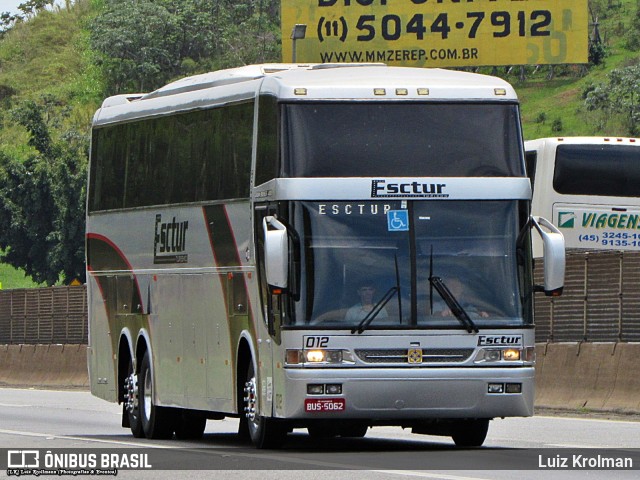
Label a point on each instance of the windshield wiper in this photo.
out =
(377, 308)
(453, 304)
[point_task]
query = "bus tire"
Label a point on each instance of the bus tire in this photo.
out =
(470, 433)
(264, 432)
(157, 422)
(190, 424)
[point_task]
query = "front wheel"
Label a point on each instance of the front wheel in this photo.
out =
(264, 432)
(470, 433)
(157, 422)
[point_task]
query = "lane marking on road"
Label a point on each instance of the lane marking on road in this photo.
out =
(597, 420)
(270, 456)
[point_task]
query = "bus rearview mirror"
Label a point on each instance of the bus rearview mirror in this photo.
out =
(276, 252)
(554, 255)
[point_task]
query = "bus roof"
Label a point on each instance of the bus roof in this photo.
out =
(296, 82)
(552, 141)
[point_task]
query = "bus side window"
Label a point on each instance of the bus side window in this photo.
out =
(531, 160)
(267, 156)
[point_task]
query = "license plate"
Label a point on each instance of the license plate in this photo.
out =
(319, 405)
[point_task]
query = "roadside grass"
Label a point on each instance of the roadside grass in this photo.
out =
(12, 278)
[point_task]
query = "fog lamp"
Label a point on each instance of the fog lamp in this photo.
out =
(334, 389)
(496, 388)
(513, 388)
(315, 389)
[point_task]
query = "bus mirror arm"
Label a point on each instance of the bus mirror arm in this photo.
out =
(554, 256)
(276, 252)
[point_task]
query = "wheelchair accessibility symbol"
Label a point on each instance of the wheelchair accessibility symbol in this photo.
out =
(398, 220)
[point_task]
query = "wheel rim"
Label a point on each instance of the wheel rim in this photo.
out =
(131, 394)
(251, 404)
(147, 395)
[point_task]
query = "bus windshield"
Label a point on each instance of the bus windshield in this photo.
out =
(384, 256)
(423, 139)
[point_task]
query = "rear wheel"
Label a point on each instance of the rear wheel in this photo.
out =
(130, 405)
(470, 433)
(157, 422)
(264, 432)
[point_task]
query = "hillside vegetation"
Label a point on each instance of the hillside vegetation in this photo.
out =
(58, 63)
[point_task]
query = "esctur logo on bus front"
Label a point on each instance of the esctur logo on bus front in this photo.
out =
(484, 340)
(380, 188)
(170, 241)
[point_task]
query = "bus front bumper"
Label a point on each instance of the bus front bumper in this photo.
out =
(417, 393)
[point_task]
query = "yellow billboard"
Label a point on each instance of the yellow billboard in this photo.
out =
(437, 33)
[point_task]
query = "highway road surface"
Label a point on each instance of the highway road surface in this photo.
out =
(73, 426)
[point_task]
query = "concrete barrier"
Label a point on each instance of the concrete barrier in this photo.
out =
(573, 376)
(589, 376)
(44, 366)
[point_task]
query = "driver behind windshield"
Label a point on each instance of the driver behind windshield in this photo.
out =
(367, 301)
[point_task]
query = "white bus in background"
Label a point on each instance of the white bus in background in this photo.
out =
(233, 219)
(590, 189)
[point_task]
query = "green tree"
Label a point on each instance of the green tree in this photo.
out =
(633, 33)
(137, 45)
(618, 97)
(42, 201)
(141, 45)
(26, 215)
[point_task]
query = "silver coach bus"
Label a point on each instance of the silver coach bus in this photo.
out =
(329, 247)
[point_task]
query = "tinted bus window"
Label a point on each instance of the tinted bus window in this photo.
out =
(267, 153)
(190, 157)
(402, 139)
(606, 170)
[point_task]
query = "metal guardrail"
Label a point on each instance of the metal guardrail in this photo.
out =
(600, 302)
(44, 316)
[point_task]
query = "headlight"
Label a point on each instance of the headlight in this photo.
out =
(511, 354)
(490, 356)
(315, 356)
(318, 357)
(506, 355)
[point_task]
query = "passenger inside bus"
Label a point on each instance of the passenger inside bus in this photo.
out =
(465, 297)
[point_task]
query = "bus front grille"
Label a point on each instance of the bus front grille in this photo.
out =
(442, 355)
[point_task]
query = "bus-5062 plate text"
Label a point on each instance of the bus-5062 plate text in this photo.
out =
(324, 405)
